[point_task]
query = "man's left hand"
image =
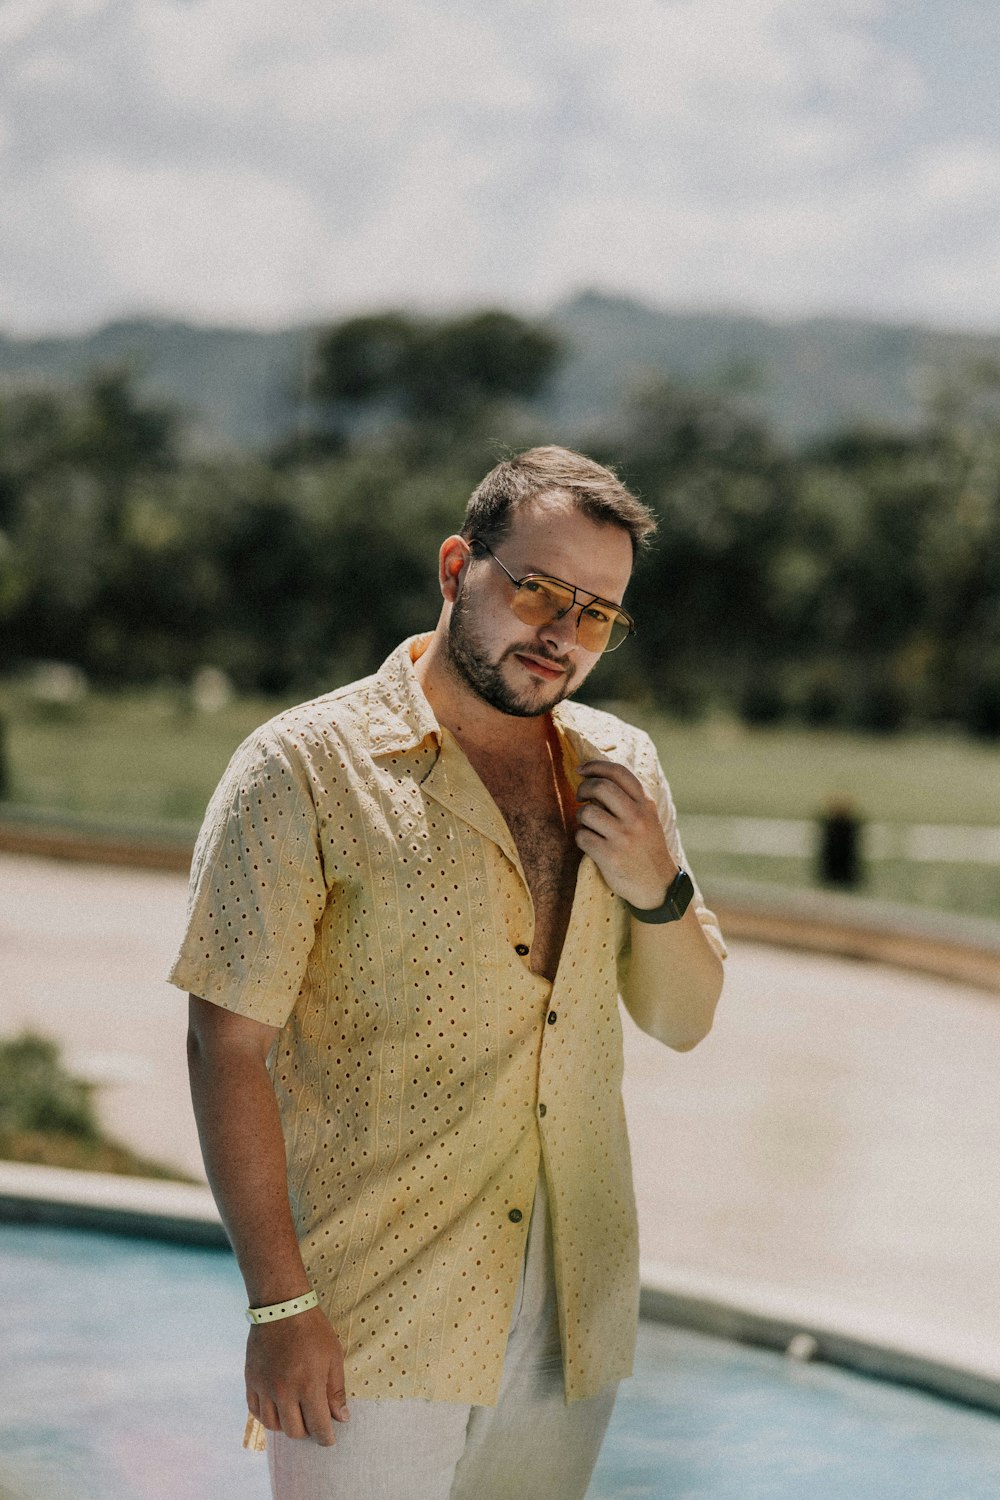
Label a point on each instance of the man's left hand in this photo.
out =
(619, 827)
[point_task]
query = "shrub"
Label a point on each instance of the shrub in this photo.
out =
(37, 1094)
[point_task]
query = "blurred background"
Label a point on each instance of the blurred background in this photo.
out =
(279, 285)
(276, 289)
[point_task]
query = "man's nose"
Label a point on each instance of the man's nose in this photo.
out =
(560, 634)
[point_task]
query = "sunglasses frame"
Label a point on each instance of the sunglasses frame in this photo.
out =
(590, 599)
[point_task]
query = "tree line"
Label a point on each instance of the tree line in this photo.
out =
(855, 581)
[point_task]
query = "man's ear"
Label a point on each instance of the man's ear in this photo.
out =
(453, 559)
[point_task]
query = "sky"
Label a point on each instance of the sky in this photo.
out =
(231, 161)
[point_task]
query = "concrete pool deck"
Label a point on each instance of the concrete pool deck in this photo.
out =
(830, 1147)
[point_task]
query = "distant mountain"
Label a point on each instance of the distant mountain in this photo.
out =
(236, 386)
(805, 377)
(244, 388)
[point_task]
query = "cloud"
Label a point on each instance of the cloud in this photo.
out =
(192, 156)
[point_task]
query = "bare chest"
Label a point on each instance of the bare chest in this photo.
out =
(531, 808)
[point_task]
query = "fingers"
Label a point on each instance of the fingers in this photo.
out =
(591, 843)
(337, 1397)
(295, 1378)
(597, 819)
(604, 795)
(266, 1412)
(619, 827)
(600, 776)
(311, 1418)
(610, 798)
(318, 1416)
(317, 1423)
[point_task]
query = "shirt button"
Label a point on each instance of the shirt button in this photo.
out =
(515, 1216)
(521, 948)
(541, 1111)
(551, 1018)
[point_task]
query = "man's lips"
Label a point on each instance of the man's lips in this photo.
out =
(541, 666)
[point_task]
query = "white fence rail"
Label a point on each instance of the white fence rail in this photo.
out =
(797, 838)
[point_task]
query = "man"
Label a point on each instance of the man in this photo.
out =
(414, 903)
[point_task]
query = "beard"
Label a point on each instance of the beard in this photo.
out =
(468, 661)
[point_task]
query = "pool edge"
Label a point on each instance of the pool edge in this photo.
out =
(804, 1326)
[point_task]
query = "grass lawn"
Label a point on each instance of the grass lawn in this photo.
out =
(148, 758)
(790, 773)
(130, 758)
(729, 769)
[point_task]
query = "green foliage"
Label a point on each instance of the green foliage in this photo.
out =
(722, 492)
(442, 370)
(70, 471)
(37, 1094)
(854, 583)
(47, 1116)
(365, 358)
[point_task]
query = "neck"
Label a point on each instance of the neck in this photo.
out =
(469, 718)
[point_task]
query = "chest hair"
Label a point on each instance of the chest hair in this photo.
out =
(526, 796)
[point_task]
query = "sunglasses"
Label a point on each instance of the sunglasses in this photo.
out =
(538, 600)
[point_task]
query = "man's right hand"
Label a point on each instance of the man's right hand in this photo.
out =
(295, 1377)
(294, 1366)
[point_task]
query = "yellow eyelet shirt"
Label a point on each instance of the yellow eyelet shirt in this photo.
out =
(355, 884)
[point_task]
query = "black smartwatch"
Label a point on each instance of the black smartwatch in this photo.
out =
(675, 902)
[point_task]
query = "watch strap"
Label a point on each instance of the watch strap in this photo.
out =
(675, 902)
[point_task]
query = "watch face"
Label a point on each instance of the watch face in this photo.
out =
(680, 892)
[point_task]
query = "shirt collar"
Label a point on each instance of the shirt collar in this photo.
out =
(399, 715)
(592, 733)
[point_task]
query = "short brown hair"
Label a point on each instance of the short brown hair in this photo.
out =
(595, 490)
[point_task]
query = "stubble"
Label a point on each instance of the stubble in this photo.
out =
(467, 660)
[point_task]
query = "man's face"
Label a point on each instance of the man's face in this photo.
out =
(520, 669)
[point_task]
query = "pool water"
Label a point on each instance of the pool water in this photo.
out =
(121, 1379)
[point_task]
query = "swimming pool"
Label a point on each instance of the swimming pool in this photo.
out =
(121, 1380)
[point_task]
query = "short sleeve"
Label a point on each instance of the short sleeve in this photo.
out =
(257, 886)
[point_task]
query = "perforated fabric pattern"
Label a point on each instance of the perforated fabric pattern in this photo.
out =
(355, 885)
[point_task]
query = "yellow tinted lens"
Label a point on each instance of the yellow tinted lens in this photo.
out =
(601, 628)
(540, 600)
(621, 629)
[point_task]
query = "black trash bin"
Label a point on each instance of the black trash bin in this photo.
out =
(839, 860)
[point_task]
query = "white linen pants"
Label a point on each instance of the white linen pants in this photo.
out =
(530, 1446)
